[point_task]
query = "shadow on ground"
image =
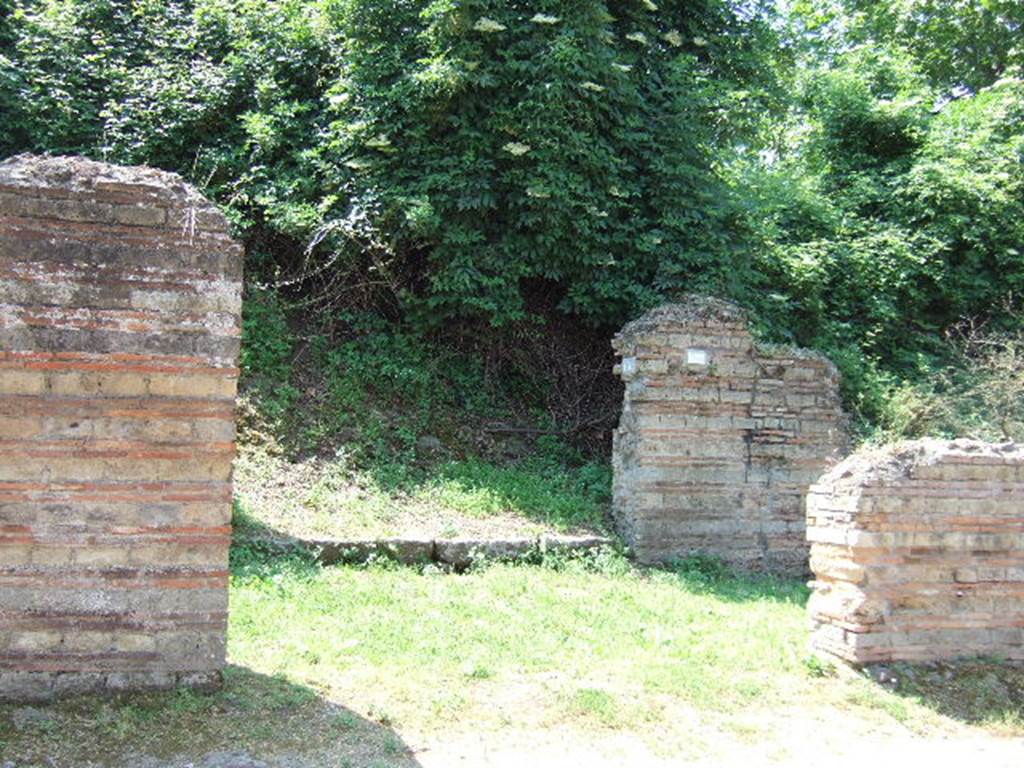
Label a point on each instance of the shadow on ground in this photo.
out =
(254, 721)
(985, 692)
(704, 574)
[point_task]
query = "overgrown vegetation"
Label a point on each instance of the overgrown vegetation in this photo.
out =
(436, 154)
(456, 203)
(891, 213)
(335, 499)
(376, 431)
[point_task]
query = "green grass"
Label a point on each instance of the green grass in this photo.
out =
(472, 497)
(716, 646)
(596, 641)
(557, 496)
(983, 691)
(369, 430)
(601, 705)
(349, 665)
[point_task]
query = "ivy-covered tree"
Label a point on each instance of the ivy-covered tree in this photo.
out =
(461, 151)
(498, 143)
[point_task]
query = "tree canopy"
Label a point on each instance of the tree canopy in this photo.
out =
(851, 170)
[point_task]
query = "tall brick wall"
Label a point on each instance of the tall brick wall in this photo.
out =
(719, 438)
(918, 553)
(119, 332)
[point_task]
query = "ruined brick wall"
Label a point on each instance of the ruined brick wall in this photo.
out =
(918, 553)
(119, 333)
(719, 438)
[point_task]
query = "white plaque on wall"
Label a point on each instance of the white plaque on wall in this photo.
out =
(696, 356)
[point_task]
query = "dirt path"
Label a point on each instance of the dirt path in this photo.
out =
(787, 737)
(793, 736)
(551, 750)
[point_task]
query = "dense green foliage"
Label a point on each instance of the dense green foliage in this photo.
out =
(851, 170)
(892, 209)
(375, 390)
(443, 151)
(957, 43)
(899, 214)
(568, 142)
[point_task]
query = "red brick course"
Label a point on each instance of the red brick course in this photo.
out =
(120, 298)
(918, 553)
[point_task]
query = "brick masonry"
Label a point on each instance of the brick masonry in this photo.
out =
(120, 295)
(918, 553)
(719, 438)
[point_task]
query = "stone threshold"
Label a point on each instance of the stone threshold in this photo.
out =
(458, 554)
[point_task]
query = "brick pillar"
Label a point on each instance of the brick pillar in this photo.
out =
(719, 438)
(918, 553)
(119, 332)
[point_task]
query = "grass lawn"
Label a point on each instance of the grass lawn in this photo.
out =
(325, 497)
(382, 666)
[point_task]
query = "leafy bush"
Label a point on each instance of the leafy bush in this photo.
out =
(565, 142)
(902, 214)
(968, 44)
(266, 356)
(450, 151)
(980, 394)
(385, 387)
(469, 164)
(266, 339)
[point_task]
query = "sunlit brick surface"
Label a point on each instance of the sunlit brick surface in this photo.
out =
(918, 553)
(719, 438)
(119, 332)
